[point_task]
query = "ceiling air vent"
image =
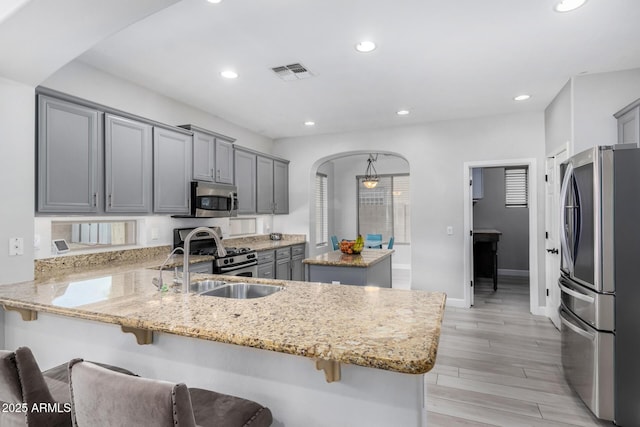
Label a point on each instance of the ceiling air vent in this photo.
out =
(291, 72)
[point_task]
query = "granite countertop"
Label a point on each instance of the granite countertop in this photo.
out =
(264, 243)
(367, 258)
(395, 330)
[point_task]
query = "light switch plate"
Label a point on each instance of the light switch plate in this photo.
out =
(450, 230)
(16, 246)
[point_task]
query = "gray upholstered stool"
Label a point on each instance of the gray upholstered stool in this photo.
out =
(101, 397)
(23, 385)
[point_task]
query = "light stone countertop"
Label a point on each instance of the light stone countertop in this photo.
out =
(367, 258)
(395, 330)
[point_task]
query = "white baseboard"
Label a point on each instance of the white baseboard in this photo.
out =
(456, 302)
(508, 272)
(401, 266)
(540, 311)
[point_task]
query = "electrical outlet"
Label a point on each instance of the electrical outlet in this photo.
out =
(450, 230)
(155, 233)
(16, 246)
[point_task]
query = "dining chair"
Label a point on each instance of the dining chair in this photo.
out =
(22, 383)
(334, 242)
(390, 245)
(373, 241)
(103, 398)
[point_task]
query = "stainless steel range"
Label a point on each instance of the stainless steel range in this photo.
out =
(237, 262)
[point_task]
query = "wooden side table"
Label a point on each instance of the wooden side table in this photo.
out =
(485, 254)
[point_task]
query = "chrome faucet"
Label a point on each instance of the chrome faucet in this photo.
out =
(220, 251)
(158, 281)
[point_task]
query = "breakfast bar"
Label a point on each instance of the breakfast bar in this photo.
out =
(315, 354)
(372, 267)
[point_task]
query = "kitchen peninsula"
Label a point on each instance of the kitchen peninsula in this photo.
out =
(316, 354)
(370, 268)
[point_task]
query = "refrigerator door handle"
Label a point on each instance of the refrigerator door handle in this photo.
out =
(567, 255)
(576, 294)
(578, 330)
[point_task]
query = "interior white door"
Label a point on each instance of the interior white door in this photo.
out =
(552, 241)
(470, 247)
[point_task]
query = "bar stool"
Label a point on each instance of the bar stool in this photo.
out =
(103, 398)
(23, 385)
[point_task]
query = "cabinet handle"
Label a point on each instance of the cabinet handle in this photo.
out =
(95, 199)
(110, 205)
(211, 172)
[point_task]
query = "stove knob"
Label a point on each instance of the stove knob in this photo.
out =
(226, 261)
(251, 256)
(231, 260)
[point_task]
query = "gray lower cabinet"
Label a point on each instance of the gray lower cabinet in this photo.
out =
(68, 154)
(266, 264)
(283, 263)
(171, 171)
(127, 148)
(199, 267)
(245, 179)
(297, 267)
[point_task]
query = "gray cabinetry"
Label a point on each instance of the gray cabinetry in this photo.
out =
(264, 185)
(297, 267)
(127, 165)
(245, 179)
(203, 156)
(629, 124)
(224, 161)
(266, 264)
(171, 172)
(68, 153)
(280, 187)
(272, 186)
(283, 263)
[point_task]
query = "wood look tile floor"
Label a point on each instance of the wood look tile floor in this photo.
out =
(499, 365)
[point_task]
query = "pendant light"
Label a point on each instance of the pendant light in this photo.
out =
(370, 179)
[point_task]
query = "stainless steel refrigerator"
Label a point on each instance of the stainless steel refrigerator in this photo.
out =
(600, 280)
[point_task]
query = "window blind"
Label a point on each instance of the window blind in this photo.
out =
(516, 188)
(322, 210)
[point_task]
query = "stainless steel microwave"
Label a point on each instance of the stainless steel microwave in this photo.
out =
(213, 201)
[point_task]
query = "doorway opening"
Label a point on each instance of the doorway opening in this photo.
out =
(518, 266)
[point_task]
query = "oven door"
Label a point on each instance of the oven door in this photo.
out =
(587, 359)
(250, 270)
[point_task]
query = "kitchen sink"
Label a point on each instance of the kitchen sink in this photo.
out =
(242, 290)
(205, 285)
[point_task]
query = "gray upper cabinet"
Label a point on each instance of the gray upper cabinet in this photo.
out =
(127, 148)
(212, 156)
(264, 185)
(203, 156)
(224, 161)
(272, 185)
(68, 153)
(245, 179)
(171, 171)
(629, 126)
(280, 187)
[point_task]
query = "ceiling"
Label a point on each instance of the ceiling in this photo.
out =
(439, 59)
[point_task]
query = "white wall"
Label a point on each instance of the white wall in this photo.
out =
(436, 153)
(17, 154)
(558, 118)
(597, 97)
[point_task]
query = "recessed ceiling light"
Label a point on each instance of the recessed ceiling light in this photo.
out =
(309, 123)
(522, 97)
(568, 5)
(214, 1)
(229, 74)
(365, 46)
(402, 112)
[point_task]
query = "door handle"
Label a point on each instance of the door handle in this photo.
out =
(553, 251)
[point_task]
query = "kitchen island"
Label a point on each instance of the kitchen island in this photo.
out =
(371, 346)
(370, 268)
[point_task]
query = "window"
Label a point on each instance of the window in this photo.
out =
(322, 210)
(515, 187)
(93, 235)
(385, 209)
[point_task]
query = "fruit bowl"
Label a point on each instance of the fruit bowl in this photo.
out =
(348, 247)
